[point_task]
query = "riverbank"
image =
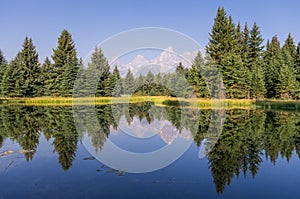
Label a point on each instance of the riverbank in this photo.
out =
(157, 100)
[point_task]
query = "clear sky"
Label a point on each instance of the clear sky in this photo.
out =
(91, 22)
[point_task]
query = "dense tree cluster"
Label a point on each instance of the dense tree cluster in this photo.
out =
(248, 69)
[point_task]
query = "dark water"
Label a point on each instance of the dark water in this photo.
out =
(233, 153)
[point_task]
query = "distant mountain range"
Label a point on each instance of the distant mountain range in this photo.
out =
(165, 62)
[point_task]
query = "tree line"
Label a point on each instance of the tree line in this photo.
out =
(247, 67)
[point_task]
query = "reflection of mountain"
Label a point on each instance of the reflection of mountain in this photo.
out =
(165, 62)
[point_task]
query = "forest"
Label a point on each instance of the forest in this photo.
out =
(249, 70)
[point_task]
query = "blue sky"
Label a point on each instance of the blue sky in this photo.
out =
(91, 22)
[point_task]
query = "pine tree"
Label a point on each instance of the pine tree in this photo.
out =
(48, 79)
(216, 47)
(223, 37)
(30, 76)
(245, 44)
(68, 78)
(255, 45)
(97, 72)
(128, 84)
(272, 59)
(255, 63)
(64, 54)
(286, 85)
(3, 66)
(297, 63)
(113, 84)
(149, 85)
(11, 86)
(234, 75)
(289, 44)
(65, 51)
(258, 89)
(195, 78)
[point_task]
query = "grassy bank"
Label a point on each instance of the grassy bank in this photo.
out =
(278, 104)
(158, 100)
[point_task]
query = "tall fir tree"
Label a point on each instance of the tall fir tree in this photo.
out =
(245, 44)
(97, 72)
(196, 79)
(222, 38)
(68, 78)
(235, 76)
(11, 86)
(30, 71)
(3, 66)
(128, 83)
(113, 86)
(216, 47)
(64, 55)
(297, 63)
(272, 63)
(47, 75)
(289, 44)
(255, 63)
(286, 86)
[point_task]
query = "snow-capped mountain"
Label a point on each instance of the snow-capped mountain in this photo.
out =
(165, 62)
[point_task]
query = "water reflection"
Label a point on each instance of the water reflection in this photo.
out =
(247, 135)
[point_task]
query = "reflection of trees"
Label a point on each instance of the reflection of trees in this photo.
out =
(24, 125)
(246, 134)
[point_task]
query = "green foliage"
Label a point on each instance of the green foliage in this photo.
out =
(112, 84)
(128, 83)
(222, 38)
(22, 77)
(195, 78)
(272, 58)
(235, 76)
(64, 56)
(30, 70)
(3, 66)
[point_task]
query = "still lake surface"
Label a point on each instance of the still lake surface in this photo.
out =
(47, 152)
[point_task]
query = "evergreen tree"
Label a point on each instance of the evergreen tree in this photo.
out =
(216, 47)
(222, 37)
(289, 44)
(128, 83)
(255, 45)
(30, 70)
(113, 84)
(68, 79)
(255, 63)
(297, 63)
(47, 77)
(65, 51)
(272, 59)
(149, 85)
(11, 86)
(97, 72)
(245, 44)
(286, 85)
(195, 78)
(235, 76)
(64, 54)
(3, 66)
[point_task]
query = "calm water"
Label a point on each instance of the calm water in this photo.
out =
(232, 153)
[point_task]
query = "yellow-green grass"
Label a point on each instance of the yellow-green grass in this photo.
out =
(157, 100)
